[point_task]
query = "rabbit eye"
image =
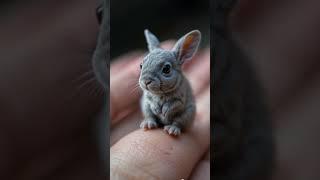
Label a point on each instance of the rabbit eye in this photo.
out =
(166, 69)
(141, 66)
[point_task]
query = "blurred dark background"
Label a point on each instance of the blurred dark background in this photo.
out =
(282, 40)
(48, 93)
(166, 19)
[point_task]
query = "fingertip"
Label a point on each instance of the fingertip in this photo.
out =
(123, 61)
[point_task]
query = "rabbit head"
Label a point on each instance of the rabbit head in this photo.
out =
(161, 69)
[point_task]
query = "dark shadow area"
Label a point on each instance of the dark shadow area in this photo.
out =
(242, 131)
(49, 95)
(271, 58)
(167, 19)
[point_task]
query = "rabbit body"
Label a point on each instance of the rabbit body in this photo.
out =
(167, 95)
(175, 110)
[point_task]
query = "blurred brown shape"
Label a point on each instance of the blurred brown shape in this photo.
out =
(282, 39)
(46, 108)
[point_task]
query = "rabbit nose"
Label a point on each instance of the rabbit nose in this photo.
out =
(147, 82)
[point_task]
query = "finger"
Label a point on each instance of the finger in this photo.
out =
(202, 170)
(128, 124)
(121, 62)
(154, 154)
(198, 72)
(124, 90)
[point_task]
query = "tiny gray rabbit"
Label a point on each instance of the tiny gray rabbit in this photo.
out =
(167, 95)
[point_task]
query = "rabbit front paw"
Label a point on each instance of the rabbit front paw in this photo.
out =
(172, 130)
(148, 124)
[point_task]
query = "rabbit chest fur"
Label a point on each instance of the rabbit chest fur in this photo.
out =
(167, 106)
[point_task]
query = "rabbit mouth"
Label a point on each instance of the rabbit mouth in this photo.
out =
(157, 88)
(153, 88)
(150, 84)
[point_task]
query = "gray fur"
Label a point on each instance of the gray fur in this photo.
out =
(168, 99)
(152, 40)
(187, 54)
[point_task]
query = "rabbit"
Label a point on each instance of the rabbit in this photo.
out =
(167, 98)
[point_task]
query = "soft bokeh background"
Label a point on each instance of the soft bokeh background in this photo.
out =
(48, 96)
(282, 39)
(166, 19)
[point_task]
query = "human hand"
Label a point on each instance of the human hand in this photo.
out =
(152, 154)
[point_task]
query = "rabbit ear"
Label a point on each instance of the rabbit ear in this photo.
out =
(187, 46)
(152, 40)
